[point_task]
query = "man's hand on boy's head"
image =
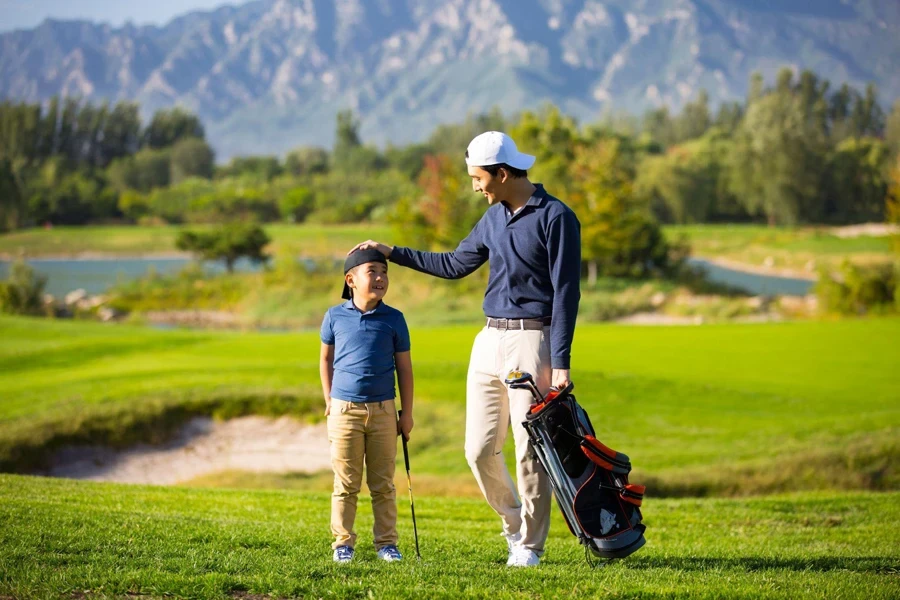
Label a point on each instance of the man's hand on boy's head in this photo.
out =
(405, 425)
(386, 250)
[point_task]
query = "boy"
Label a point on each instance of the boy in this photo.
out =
(363, 342)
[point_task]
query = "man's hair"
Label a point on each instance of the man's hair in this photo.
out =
(494, 169)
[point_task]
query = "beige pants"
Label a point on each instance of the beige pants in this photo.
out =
(490, 407)
(363, 433)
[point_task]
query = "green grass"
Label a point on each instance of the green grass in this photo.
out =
(705, 410)
(790, 248)
(64, 539)
(307, 240)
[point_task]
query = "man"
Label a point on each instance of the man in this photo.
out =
(533, 244)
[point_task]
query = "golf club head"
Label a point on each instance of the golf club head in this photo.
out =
(518, 379)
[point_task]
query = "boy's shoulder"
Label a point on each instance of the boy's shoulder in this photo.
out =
(390, 310)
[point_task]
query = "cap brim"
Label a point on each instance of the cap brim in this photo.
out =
(522, 161)
(346, 293)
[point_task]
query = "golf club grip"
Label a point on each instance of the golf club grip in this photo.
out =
(405, 449)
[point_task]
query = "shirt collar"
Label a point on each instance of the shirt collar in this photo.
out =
(537, 199)
(350, 306)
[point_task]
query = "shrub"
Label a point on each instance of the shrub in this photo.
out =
(860, 290)
(23, 291)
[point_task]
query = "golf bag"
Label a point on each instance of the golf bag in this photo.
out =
(590, 481)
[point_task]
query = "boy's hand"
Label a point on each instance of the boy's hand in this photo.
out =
(405, 425)
(327, 407)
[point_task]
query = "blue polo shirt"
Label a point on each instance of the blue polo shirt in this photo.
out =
(364, 348)
(535, 260)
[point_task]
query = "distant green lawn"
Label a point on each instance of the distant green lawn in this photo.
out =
(64, 539)
(307, 239)
(712, 409)
(790, 248)
(787, 247)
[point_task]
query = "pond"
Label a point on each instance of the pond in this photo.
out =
(753, 283)
(97, 275)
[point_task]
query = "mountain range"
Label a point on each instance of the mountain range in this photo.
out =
(269, 75)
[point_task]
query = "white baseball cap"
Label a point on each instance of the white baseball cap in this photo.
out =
(494, 148)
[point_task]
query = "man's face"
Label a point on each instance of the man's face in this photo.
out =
(368, 281)
(487, 184)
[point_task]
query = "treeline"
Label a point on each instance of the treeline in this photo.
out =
(797, 151)
(69, 162)
(794, 153)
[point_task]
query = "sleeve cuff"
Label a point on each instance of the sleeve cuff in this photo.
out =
(559, 362)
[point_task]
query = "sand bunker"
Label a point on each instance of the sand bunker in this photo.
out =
(201, 447)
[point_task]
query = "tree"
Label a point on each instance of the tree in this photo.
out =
(856, 185)
(776, 165)
(308, 160)
(146, 170)
(263, 168)
(296, 204)
(660, 126)
(12, 200)
(892, 206)
(229, 243)
(445, 211)
(619, 237)
(167, 127)
(552, 138)
(694, 119)
(892, 129)
(688, 184)
(191, 157)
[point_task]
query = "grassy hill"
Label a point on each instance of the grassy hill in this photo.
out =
(717, 409)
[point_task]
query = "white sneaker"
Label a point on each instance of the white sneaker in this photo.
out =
(511, 540)
(524, 557)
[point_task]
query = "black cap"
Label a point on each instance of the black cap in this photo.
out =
(360, 257)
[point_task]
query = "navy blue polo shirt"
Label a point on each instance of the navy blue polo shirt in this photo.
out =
(364, 347)
(535, 261)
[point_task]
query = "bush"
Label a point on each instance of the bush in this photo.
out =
(296, 204)
(860, 290)
(22, 293)
(229, 243)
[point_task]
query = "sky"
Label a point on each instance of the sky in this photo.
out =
(24, 14)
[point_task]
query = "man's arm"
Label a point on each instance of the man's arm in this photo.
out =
(403, 363)
(326, 373)
(468, 256)
(564, 249)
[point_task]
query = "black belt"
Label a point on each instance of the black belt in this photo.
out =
(518, 323)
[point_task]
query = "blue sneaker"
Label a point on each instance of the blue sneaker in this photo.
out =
(390, 554)
(343, 554)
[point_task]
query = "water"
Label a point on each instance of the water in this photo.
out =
(752, 283)
(95, 276)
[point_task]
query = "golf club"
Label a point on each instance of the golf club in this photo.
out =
(412, 506)
(519, 380)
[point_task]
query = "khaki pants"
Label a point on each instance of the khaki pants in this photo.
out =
(490, 407)
(363, 432)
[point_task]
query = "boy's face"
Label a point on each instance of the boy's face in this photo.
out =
(369, 281)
